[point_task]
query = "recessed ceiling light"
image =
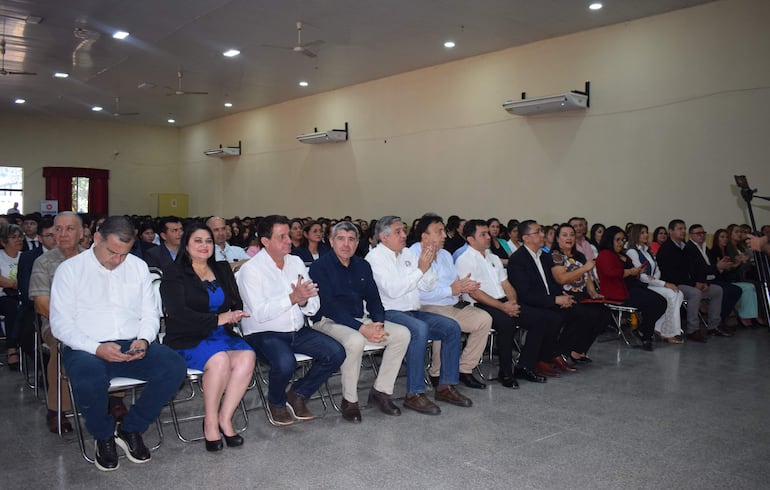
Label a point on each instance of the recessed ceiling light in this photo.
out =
(96, 108)
(171, 121)
(449, 44)
(595, 6)
(228, 104)
(120, 35)
(303, 83)
(60, 74)
(19, 101)
(231, 52)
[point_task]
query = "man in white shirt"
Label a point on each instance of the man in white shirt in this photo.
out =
(225, 252)
(444, 299)
(278, 293)
(103, 310)
(400, 275)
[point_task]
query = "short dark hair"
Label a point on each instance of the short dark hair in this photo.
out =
(119, 226)
(45, 222)
(694, 226)
(425, 221)
(265, 227)
(453, 223)
(470, 227)
(165, 221)
(672, 224)
(525, 225)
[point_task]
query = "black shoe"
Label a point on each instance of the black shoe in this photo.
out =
(581, 360)
(647, 345)
(132, 444)
(383, 402)
(231, 441)
(106, 454)
(214, 446)
(434, 380)
(529, 375)
(350, 411)
(507, 380)
(471, 382)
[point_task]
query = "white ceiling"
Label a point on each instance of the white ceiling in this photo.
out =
(363, 40)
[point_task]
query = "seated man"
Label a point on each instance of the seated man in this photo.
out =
(345, 282)
(171, 234)
(444, 299)
(497, 297)
(676, 267)
(103, 310)
(400, 275)
(277, 293)
(225, 252)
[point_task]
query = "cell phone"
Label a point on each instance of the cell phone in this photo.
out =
(644, 264)
(134, 351)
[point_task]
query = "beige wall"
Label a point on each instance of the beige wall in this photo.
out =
(680, 103)
(146, 164)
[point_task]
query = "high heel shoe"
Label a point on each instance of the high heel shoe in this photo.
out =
(212, 446)
(231, 441)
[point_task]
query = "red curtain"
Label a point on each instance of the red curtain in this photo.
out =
(58, 185)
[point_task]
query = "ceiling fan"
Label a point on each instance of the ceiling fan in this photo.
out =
(117, 112)
(3, 71)
(299, 47)
(179, 90)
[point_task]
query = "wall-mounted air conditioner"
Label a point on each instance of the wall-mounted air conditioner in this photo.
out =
(568, 101)
(223, 152)
(330, 136)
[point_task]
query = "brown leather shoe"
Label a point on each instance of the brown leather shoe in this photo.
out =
(350, 411)
(280, 415)
(420, 403)
(697, 336)
(719, 332)
(383, 402)
(296, 404)
(52, 424)
(560, 363)
(451, 395)
(545, 369)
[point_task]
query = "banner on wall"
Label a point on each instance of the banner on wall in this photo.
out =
(49, 207)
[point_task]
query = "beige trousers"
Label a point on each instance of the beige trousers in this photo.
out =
(473, 321)
(395, 344)
(53, 345)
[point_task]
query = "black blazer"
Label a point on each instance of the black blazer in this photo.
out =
(158, 257)
(186, 302)
(23, 276)
(524, 276)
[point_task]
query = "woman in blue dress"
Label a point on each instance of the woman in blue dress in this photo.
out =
(202, 304)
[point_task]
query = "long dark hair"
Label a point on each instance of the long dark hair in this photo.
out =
(183, 257)
(608, 238)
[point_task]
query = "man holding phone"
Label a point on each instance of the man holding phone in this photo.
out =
(103, 310)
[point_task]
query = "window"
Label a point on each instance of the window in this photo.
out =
(11, 187)
(80, 194)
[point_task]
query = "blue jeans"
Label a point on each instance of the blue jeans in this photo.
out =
(162, 368)
(423, 326)
(278, 348)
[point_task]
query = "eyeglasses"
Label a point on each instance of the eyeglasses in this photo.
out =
(698, 233)
(47, 235)
(535, 232)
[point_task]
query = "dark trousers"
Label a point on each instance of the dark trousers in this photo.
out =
(582, 324)
(650, 304)
(277, 349)
(731, 294)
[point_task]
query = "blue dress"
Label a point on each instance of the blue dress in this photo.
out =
(218, 340)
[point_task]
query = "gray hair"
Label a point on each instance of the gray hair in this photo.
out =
(9, 229)
(119, 226)
(345, 226)
(383, 226)
(67, 214)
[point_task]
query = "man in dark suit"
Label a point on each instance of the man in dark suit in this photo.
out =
(171, 236)
(529, 271)
(30, 227)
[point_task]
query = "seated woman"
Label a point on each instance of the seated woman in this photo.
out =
(12, 240)
(747, 306)
(659, 236)
(669, 326)
(550, 236)
(295, 233)
(497, 245)
(619, 280)
(201, 300)
(597, 231)
(513, 240)
(311, 246)
(573, 272)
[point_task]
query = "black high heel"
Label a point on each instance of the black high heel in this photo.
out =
(231, 441)
(212, 446)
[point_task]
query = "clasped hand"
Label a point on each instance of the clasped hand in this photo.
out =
(302, 291)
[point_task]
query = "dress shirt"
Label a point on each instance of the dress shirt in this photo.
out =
(32, 243)
(536, 257)
(446, 274)
(41, 277)
(230, 253)
(457, 253)
(487, 269)
(265, 291)
(584, 247)
(91, 304)
(343, 290)
(651, 279)
(398, 278)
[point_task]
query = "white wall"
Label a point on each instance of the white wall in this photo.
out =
(147, 163)
(680, 103)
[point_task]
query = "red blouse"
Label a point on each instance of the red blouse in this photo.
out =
(609, 267)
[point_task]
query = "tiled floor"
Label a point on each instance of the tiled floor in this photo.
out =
(691, 416)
